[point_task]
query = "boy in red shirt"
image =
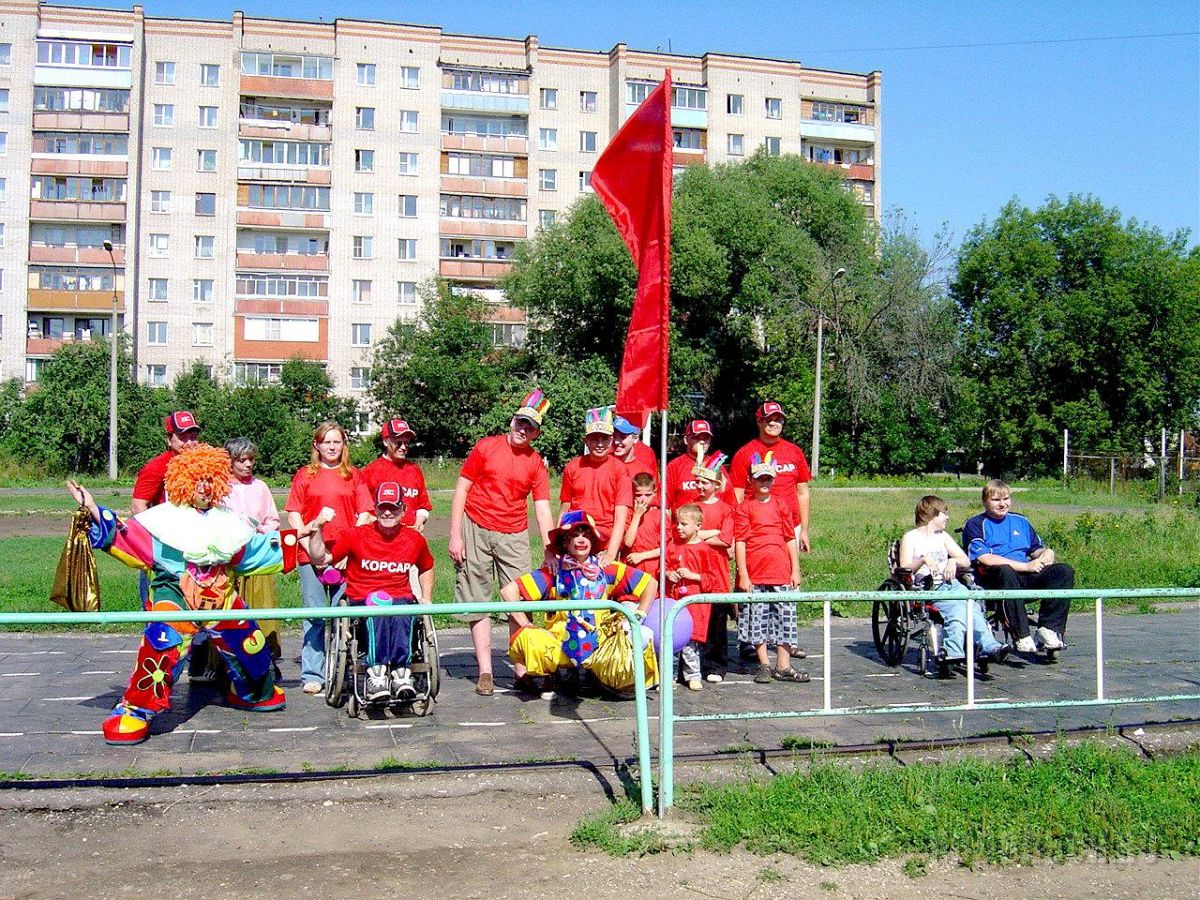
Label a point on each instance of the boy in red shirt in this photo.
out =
(629, 449)
(598, 484)
(767, 561)
(792, 472)
(693, 568)
(395, 466)
(643, 534)
(380, 557)
(716, 530)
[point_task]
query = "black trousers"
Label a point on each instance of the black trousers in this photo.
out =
(714, 656)
(1052, 613)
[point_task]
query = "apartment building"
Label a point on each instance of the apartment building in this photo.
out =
(247, 191)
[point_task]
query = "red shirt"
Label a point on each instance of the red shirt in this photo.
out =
(326, 488)
(643, 460)
(151, 479)
(791, 470)
(646, 538)
(501, 478)
(718, 516)
(765, 527)
(681, 483)
(706, 561)
(406, 474)
(597, 488)
(379, 563)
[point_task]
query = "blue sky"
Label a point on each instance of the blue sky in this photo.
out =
(966, 128)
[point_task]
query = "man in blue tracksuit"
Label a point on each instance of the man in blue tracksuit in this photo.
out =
(1009, 556)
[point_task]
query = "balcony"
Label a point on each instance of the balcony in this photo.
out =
(297, 88)
(74, 211)
(54, 165)
(45, 346)
(278, 351)
(841, 132)
(80, 121)
(283, 218)
(518, 144)
(289, 174)
(281, 306)
(482, 228)
(862, 172)
(288, 262)
(40, 299)
(474, 269)
(498, 187)
(485, 102)
(88, 256)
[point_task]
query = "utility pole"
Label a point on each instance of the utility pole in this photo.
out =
(112, 371)
(816, 436)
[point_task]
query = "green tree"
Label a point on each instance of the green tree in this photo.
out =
(1072, 319)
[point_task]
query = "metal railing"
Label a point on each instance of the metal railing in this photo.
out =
(666, 795)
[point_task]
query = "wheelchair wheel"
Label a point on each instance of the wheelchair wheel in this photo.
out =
(889, 626)
(337, 659)
(426, 668)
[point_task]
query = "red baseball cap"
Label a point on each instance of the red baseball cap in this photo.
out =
(393, 428)
(770, 408)
(180, 421)
(389, 494)
(699, 426)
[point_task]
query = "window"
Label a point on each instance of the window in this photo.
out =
(164, 114)
(286, 65)
(3, 189)
(259, 328)
(587, 142)
(585, 181)
(508, 334)
(734, 104)
(772, 145)
(3, 100)
(204, 246)
(262, 284)
(408, 164)
(360, 334)
(410, 77)
(687, 138)
(3, 143)
(202, 334)
(689, 97)
(364, 118)
(156, 332)
(157, 290)
(210, 74)
(485, 126)
(547, 138)
(160, 158)
(164, 73)
(406, 293)
(159, 244)
(638, 91)
(366, 74)
(5, 54)
(510, 209)
(288, 196)
(364, 160)
(208, 117)
(407, 248)
(360, 378)
(480, 165)
(256, 373)
(488, 82)
(479, 248)
(206, 204)
(548, 179)
(548, 98)
(408, 121)
(160, 201)
(202, 290)
(364, 203)
(363, 246)
(774, 108)
(33, 369)
(156, 375)
(68, 99)
(587, 101)
(206, 160)
(86, 55)
(408, 206)
(80, 142)
(290, 153)
(843, 156)
(360, 290)
(735, 143)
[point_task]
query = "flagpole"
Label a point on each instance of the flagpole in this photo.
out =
(666, 642)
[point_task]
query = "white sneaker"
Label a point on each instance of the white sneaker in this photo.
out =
(377, 684)
(1026, 645)
(1049, 639)
(694, 684)
(714, 678)
(402, 684)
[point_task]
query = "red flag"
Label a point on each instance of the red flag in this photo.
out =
(633, 178)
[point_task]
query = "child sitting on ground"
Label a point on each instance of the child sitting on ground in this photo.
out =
(644, 532)
(717, 532)
(693, 568)
(767, 561)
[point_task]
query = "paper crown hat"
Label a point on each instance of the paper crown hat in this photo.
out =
(710, 468)
(533, 408)
(598, 421)
(762, 464)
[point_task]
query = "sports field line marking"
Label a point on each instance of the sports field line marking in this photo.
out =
(51, 699)
(483, 724)
(18, 674)
(883, 675)
(304, 728)
(97, 731)
(4, 734)
(912, 703)
(100, 672)
(119, 651)
(35, 653)
(586, 721)
(392, 725)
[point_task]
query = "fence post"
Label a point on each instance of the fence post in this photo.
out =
(827, 665)
(1182, 433)
(1099, 648)
(1066, 451)
(1162, 468)
(1112, 475)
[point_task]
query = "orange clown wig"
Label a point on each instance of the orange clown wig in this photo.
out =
(191, 466)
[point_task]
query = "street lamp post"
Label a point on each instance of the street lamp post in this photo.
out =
(816, 437)
(112, 372)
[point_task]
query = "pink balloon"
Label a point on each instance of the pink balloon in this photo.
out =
(681, 632)
(331, 577)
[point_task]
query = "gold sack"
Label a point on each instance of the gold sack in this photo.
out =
(76, 585)
(612, 663)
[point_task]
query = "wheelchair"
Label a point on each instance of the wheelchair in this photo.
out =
(896, 623)
(346, 667)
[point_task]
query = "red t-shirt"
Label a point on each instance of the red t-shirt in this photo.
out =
(151, 479)
(597, 488)
(326, 488)
(406, 474)
(765, 527)
(791, 470)
(681, 483)
(501, 478)
(379, 563)
(718, 516)
(707, 561)
(643, 460)
(646, 538)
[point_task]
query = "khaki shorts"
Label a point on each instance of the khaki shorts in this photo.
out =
(491, 556)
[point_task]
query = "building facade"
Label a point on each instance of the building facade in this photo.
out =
(244, 192)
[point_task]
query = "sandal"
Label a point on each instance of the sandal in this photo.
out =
(790, 674)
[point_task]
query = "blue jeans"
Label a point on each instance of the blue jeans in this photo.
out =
(312, 647)
(954, 615)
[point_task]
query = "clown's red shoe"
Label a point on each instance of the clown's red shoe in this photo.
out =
(123, 727)
(270, 704)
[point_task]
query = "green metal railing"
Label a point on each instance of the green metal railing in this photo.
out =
(645, 773)
(666, 794)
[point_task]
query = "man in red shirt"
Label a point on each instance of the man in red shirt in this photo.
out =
(182, 431)
(599, 484)
(629, 449)
(380, 559)
(489, 520)
(681, 483)
(792, 473)
(395, 466)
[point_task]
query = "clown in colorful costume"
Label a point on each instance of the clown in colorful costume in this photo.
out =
(190, 549)
(570, 638)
